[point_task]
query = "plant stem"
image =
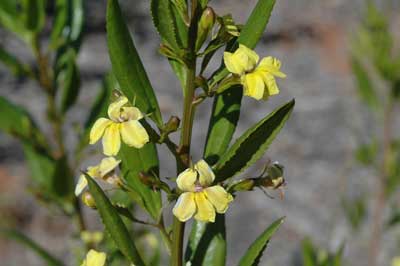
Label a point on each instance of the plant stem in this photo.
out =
(380, 201)
(46, 81)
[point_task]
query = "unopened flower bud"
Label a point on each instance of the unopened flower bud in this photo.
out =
(172, 125)
(206, 24)
(243, 185)
(88, 200)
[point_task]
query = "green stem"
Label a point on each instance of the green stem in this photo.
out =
(380, 200)
(45, 79)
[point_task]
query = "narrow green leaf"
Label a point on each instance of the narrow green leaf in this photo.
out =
(364, 84)
(142, 160)
(223, 120)
(254, 253)
(252, 145)
(256, 23)
(68, 80)
(10, 18)
(34, 14)
(114, 224)
(16, 67)
(161, 11)
(68, 24)
(49, 259)
(207, 243)
(127, 66)
(309, 253)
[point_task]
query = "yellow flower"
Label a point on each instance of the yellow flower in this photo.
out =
(258, 81)
(94, 258)
(396, 261)
(104, 171)
(123, 123)
(198, 197)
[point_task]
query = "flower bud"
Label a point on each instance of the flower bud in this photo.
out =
(206, 24)
(88, 200)
(243, 185)
(172, 125)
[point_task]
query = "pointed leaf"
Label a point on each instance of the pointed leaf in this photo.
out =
(114, 224)
(364, 84)
(68, 24)
(34, 14)
(161, 11)
(252, 145)
(68, 79)
(256, 23)
(145, 160)
(49, 259)
(254, 253)
(127, 66)
(223, 120)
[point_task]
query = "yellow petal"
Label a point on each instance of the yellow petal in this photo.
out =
(253, 85)
(107, 165)
(205, 210)
(114, 109)
(112, 140)
(185, 207)
(134, 134)
(271, 65)
(131, 113)
(396, 261)
(252, 57)
(187, 179)
(218, 197)
(93, 171)
(80, 186)
(206, 174)
(232, 64)
(98, 129)
(94, 258)
(271, 86)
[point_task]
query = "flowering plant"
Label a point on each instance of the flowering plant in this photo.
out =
(128, 120)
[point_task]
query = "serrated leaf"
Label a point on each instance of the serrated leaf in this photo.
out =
(114, 224)
(145, 160)
(254, 253)
(252, 145)
(161, 11)
(15, 235)
(127, 66)
(207, 243)
(34, 14)
(364, 84)
(224, 117)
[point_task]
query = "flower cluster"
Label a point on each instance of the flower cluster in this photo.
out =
(258, 81)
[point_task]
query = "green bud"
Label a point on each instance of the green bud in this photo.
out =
(206, 24)
(243, 185)
(172, 125)
(88, 200)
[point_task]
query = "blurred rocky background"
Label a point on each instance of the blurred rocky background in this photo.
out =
(311, 37)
